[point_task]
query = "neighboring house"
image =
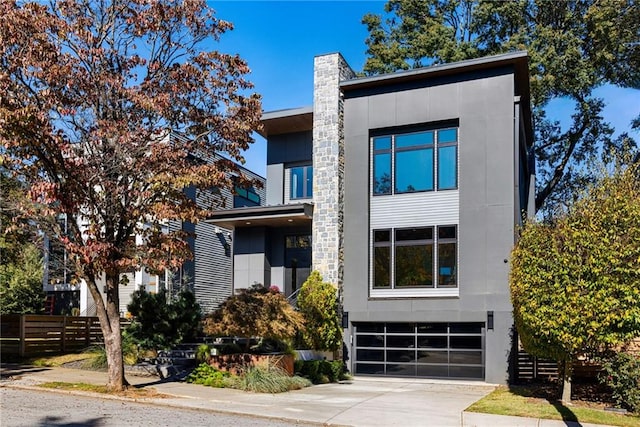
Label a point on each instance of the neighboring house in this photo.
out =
(404, 190)
(208, 274)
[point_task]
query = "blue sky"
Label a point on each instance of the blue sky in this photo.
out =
(279, 40)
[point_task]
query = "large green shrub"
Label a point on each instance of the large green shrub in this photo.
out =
(159, 322)
(206, 374)
(622, 375)
(321, 371)
(318, 304)
(255, 312)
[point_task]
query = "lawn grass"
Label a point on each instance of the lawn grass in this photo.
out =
(518, 401)
(130, 392)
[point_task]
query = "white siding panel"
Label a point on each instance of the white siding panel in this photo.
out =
(287, 186)
(416, 209)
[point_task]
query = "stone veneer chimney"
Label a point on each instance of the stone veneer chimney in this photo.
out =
(328, 166)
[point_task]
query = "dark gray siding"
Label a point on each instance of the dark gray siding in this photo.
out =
(484, 106)
(290, 148)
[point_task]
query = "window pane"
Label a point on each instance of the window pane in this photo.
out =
(382, 174)
(466, 357)
(401, 341)
(382, 236)
(369, 368)
(448, 232)
(447, 265)
(447, 135)
(466, 328)
(382, 143)
(433, 357)
(447, 173)
(309, 170)
(401, 370)
(465, 342)
(254, 197)
(414, 170)
(414, 139)
(297, 183)
(401, 355)
(370, 355)
(369, 340)
(400, 328)
(433, 371)
(370, 327)
(432, 328)
(381, 268)
(414, 234)
(414, 266)
(432, 342)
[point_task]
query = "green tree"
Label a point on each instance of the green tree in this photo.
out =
(104, 106)
(318, 303)
(160, 322)
(21, 282)
(574, 47)
(255, 312)
(574, 282)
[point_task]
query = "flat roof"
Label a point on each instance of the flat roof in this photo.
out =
(271, 216)
(287, 121)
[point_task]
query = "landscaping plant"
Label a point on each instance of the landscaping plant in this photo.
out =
(255, 312)
(263, 378)
(206, 374)
(621, 373)
(318, 303)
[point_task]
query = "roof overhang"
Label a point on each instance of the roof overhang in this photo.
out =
(286, 121)
(263, 216)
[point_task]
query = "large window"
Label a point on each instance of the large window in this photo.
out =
(301, 182)
(245, 197)
(415, 258)
(415, 161)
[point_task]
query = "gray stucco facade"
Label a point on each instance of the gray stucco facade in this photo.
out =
(483, 104)
(461, 216)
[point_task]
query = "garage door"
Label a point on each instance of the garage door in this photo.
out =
(428, 350)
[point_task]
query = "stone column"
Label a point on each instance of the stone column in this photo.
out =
(328, 166)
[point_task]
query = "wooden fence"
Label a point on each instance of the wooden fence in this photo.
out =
(35, 335)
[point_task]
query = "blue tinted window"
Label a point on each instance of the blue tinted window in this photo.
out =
(414, 139)
(382, 143)
(382, 174)
(447, 167)
(447, 135)
(414, 170)
(301, 182)
(309, 180)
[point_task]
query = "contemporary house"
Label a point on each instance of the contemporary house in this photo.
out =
(404, 190)
(208, 274)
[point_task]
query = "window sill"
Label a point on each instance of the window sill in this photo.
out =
(414, 293)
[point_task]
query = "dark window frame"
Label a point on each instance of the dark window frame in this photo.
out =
(435, 241)
(307, 193)
(393, 150)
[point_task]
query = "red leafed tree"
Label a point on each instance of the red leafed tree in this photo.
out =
(90, 92)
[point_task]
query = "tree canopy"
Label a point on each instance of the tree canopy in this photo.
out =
(574, 282)
(574, 47)
(92, 96)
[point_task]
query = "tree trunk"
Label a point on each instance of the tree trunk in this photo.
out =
(567, 371)
(109, 316)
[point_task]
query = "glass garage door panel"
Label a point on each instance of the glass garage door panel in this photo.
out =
(431, 350)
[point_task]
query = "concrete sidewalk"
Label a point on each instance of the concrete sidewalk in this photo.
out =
(363, 401)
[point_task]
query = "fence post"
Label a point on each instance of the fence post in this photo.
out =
(63, 336)
(87, 330)
(21, 352)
